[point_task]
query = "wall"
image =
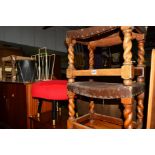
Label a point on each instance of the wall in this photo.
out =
(53, 38)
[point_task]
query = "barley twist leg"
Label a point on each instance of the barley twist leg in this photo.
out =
(128, 115)
(140, 108)
(71, 107)
(71, 44)
(128, 112)
(91, 110)
(141, 59)
(91, 57)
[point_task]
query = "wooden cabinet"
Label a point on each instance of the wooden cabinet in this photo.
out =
(3, 107)
(13, 111)
(17, 105)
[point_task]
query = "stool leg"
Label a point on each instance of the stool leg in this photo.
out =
(58, 107)
(54, 112)
(128, 112)
(39, 107)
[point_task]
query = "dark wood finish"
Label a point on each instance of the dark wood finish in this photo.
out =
(14, 113)
(3, 107)
(17, 104)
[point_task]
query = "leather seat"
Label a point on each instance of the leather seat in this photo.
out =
(105, 90)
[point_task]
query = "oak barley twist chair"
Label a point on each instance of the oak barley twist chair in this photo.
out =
(130, 91)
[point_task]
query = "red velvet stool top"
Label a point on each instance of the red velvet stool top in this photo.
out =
(51, 89)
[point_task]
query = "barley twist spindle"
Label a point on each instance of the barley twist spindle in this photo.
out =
(91, 57)
(71, 105)
(128, 115)
(141, 59)
(127, 46)
(91, 66)
(91, 107)
(140, 108)
(71, 44)
(141, 53)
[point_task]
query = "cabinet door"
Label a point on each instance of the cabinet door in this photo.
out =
(16, 105)
(11, 105)
(20, 105)
(3, 106)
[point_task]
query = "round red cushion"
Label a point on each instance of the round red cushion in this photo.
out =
(52, 89)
